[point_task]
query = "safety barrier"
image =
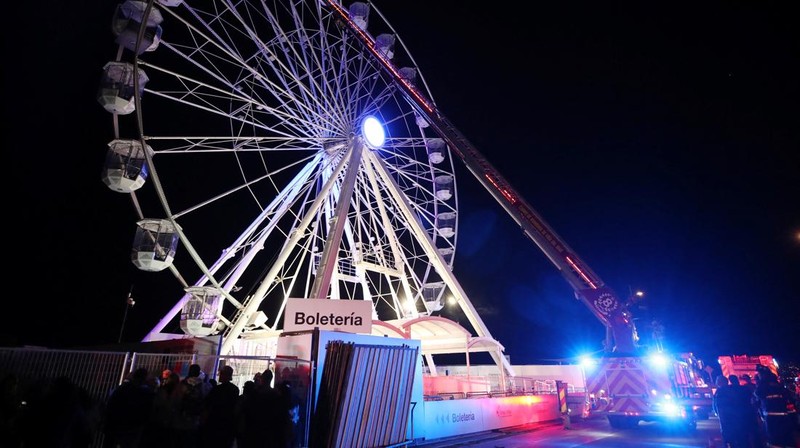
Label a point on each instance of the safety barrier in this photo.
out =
(493, 386)
(98, 373)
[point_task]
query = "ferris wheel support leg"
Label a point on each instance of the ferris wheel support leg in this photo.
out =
(322, 283)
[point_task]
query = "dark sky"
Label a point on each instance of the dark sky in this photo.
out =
(660, 140)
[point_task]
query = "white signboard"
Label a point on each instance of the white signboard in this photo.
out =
(354, 316)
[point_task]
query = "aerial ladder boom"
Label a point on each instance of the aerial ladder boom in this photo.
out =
(588, 287)
(601, 300)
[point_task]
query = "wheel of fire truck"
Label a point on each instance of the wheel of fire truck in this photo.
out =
(238, 135)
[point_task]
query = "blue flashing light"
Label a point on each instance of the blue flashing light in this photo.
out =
(672, 409)
(373, 132)
(588, 363)
(658, 360)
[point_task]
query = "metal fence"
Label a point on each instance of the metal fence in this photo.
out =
(26, 372)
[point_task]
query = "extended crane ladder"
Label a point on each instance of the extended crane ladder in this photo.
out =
(589, 288)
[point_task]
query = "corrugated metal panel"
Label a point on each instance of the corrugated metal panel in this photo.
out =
(365, 395)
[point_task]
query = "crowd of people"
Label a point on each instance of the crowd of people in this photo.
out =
(755, 412)
(151, 410)
(197, 412)
(46, 414)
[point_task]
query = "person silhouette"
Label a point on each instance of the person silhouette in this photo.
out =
(128, 411)
(725, 408)
(218, 423)
(195, 390)
(776, 409)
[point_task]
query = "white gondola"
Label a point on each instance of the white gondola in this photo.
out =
(421, 121)
(117, 87)
(125, 169)
(436, 149)
(409, 74)
(443, 185)
(384, 43)
(198, 315)
(447, 254)
(359, 14)
(446, 224)
(433, 296)
(154, 245)
(127, 21)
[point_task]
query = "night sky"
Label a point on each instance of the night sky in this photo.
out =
(659, 140)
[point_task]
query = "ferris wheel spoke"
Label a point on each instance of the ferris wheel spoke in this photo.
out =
(217, 101)
(230, 80)
(263, 57)
(174, 145)
(225, 53)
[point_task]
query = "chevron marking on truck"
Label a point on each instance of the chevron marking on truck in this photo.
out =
(628, 390)
(626, 382)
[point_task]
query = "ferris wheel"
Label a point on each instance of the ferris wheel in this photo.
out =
(239, 137)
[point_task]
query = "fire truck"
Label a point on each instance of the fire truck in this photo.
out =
(744, 364)
(653, 387)
(626, 386)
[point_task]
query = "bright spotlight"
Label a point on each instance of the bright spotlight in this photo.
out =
(588, 363)
(373, 132)
(671, 409)
(658, 360)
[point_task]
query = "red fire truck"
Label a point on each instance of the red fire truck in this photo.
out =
(627, 386)
(656, 387)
